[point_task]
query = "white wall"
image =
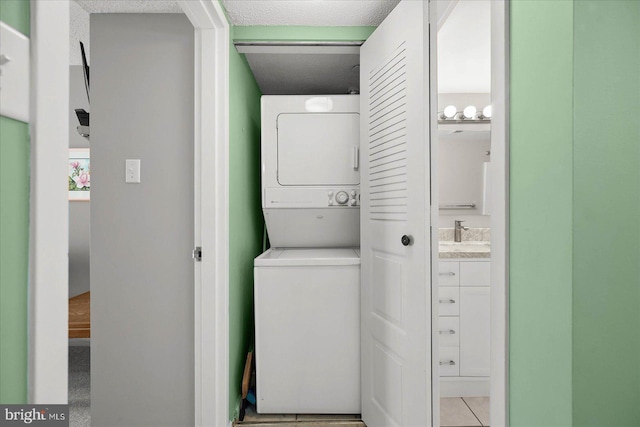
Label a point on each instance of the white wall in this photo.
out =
(142, 274)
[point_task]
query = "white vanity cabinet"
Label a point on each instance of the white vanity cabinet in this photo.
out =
(464, 326)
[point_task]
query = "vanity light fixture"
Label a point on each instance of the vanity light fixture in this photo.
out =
(469, 112)
(449, 112)
(486, 113)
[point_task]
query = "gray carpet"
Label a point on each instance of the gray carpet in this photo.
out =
(79, 386)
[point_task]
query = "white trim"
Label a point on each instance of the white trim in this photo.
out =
(500, 213)
(49, 206)
(434, 24)
(211, 144)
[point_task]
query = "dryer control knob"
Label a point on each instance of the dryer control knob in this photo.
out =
(342, 197)
(353, 193)
(353, 202)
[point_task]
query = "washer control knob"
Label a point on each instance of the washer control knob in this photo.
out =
(353, 202)
(330, 202)
(342, 197)
(330, 194)
(353, 193)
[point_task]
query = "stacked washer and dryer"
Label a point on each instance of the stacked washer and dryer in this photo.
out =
(307, 286)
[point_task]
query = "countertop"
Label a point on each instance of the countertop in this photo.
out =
(469, 249)
(476, 243)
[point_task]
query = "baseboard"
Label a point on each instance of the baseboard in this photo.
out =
(464, 386)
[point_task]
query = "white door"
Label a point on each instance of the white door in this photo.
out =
(395, 175)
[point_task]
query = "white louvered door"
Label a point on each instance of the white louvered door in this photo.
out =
(395, 186)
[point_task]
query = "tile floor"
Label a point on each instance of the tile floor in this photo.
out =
(454, 412)
(464, 411)
(251, 418)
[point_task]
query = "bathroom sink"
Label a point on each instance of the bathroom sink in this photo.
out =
(471, 247)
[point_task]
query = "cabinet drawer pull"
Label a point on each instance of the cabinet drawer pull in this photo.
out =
(448, 363)
(447, 301)
(448, 332)
(450, 273)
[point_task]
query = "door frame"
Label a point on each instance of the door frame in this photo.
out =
(48, 267)
(500, 81)
(49, 212)
(499, 381)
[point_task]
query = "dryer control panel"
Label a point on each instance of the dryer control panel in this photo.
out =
(340, 197)
(343, 197)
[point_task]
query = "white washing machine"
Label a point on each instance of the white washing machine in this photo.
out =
(308, 331)
(307, 287)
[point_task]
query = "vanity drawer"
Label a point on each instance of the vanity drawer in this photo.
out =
(475, 273)
(449, 331)
(449, 301)
(449, 361)
(448, 273)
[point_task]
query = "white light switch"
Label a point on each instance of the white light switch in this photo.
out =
(132, 171)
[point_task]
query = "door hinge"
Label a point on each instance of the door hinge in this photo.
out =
(197, 254)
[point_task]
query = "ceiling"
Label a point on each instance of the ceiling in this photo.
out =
(308, 12)
(129, 6)
(464, 48)
(464, 45)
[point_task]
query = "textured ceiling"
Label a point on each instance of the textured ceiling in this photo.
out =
(78, 32)
(308, 12)
(129, 6)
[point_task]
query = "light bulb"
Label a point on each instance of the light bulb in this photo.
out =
(469, 112)
(486, 112)
(449, 112)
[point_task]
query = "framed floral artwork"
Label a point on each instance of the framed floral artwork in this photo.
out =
(79, 174)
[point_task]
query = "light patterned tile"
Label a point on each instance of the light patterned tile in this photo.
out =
(480, 407)
(325, 417)
(251, 416)
(455, 413)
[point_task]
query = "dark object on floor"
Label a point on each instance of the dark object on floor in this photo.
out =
(246, 383)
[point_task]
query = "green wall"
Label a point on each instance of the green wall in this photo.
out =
(16, 14)
(606, 212)
(541, 193)
(245, 214)
(14, 237)
(575, 204)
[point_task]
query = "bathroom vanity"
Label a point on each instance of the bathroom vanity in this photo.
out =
(464, 319)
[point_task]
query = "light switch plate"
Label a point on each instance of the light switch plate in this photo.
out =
(14, 73)
(132, 171)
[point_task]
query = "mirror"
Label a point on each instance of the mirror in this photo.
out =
(464, 148)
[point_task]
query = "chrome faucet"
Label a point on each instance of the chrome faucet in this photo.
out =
(457, 234)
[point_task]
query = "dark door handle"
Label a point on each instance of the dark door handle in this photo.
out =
(406, 240)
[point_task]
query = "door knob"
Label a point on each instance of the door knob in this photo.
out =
(406, 240)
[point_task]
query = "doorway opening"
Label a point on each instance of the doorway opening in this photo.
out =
(217, 372)
(464, 223)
